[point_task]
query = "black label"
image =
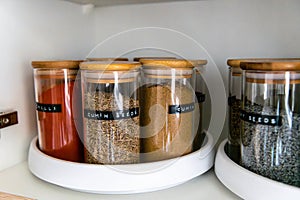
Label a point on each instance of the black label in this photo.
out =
(261, 119)
(52, 108)
(173, 109)
(200, 97)
(111, 115)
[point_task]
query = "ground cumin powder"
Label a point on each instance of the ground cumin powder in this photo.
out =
(167, 134)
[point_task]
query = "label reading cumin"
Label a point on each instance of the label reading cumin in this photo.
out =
(173, 109)
(109, 115)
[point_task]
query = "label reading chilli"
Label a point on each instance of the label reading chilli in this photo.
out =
(54, 108)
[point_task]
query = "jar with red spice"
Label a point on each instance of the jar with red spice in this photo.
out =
(58, 109)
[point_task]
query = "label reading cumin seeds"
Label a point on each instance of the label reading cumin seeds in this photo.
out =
(261, 119)
(109, 115)
(173, 109)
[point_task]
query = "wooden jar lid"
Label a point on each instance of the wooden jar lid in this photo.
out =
(172, 63)
(137, 59)
(272, 65)
(107, 59)
(56, 64)
(110, 66)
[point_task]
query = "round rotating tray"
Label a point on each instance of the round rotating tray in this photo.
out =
(247, 184)
(121, 179)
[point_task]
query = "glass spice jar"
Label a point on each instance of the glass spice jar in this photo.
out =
(234, 103)
(167, 108)
(270, 116)
(200, 95)
(111, 112)
(58, 103)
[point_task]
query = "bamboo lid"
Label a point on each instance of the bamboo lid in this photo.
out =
(57, 64)
(106, 59)
(272, 65)
(172, 63)
(110, 66)
(235, 63)
(137, 59)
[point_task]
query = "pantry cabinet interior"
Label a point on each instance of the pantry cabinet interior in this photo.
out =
(56, 29)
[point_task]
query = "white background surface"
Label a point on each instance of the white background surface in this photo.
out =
(51, 29)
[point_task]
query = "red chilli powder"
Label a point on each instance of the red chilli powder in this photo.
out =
(58, 135)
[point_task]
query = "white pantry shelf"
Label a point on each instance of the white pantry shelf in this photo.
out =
(19, 181)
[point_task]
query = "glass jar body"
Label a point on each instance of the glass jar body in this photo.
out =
(111, 116)
(168, 113)
(234, 103)
(270, 132)
(58, 103)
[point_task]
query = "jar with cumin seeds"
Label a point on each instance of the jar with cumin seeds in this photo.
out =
(111, 112)
(270, 116)
(167, 108)
(106, 59)
(200, 96)
(58, 109)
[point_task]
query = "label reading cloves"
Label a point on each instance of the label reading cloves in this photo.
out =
(51, 108)
(261, 119)
(184, 108)
(111, 115)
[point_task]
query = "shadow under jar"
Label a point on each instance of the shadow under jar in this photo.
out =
(167, 108)
(270, 116)
(111, 112)
(58, 109)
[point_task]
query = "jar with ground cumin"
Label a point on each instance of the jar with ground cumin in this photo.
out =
(270, 119)
(111, 112)
(167, 108)
(58, 109)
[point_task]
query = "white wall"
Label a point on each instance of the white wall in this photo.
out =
(226, 29)
(30, 30)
